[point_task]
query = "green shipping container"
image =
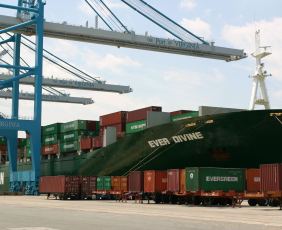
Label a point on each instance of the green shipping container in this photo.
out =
(184, 116)
(74, 136)
(3, 141)
(22, 143)
(51, 139)
(28, 151)
(51, 129)
(136, 126)
(104, 183)
(80, 125)
(215, 179)
(4, 179)
(67, 147)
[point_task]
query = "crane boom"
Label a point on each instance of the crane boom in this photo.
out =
(128, 40)
(49, 98)
(74, 84)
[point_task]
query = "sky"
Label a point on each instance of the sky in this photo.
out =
(172, 81)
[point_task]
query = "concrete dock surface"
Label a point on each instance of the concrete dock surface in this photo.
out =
(38, 213)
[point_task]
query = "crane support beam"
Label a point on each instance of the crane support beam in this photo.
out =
(49, 98)
(128, 40)
(71, 84)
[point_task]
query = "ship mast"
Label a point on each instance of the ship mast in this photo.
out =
(259, 76)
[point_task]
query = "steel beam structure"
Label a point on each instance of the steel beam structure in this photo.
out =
(9, 128)
(128, 40)
(48, 97)
(74, 84)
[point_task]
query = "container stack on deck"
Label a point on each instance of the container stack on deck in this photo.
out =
(76, 136)
(51, 140)
(115, 122)
(182, 115)
(137, 120)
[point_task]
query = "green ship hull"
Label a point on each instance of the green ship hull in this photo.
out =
(237, 140)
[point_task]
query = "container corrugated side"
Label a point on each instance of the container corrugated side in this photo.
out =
(80, 125)
(113, 118)
(173, 180)
(51, 129)
(69, 147)
(136, 181)
(155, 181)
(215, 179)
(141, 114)
(104, 183)
(50, 139)
(271, 177)
(253, 180)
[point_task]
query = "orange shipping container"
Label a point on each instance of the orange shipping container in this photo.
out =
(155, 181)
(119, 183)
(182, 178)
(50, 149)
(253, 180)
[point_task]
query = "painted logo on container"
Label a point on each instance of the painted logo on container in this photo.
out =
(191, 176)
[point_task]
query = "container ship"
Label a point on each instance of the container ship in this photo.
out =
(148, 138)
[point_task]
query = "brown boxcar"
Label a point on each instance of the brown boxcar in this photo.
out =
(136, 181)
(253, 180)
(141, 114)
(155, 181)
(85, 143)
(119, 183)
(113, 118)
(271, 177)
(50, 149)
(60, 185)
(88, 185)
(176, 180)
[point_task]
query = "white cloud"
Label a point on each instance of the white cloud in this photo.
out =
(114, 62)
(198, 26)
(188, 4)
(84, 8)
(243, 37)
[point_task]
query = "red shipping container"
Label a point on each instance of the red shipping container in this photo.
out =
(113, 118)
(141, 114)
(50, 149)
(180, 112)
(4, 153)
(3, 148)
(271, 177)
(85, 143)
(176, 180)
(119, 183)
(97, 142)
(135, 181)
(253, 180)
(59, 184)
(155, 181)
(88, 184)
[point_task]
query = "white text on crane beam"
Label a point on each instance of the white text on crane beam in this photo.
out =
(179, 44)
(176, 139)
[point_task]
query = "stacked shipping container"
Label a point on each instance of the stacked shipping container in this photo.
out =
(136, 120)
(116, 120)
